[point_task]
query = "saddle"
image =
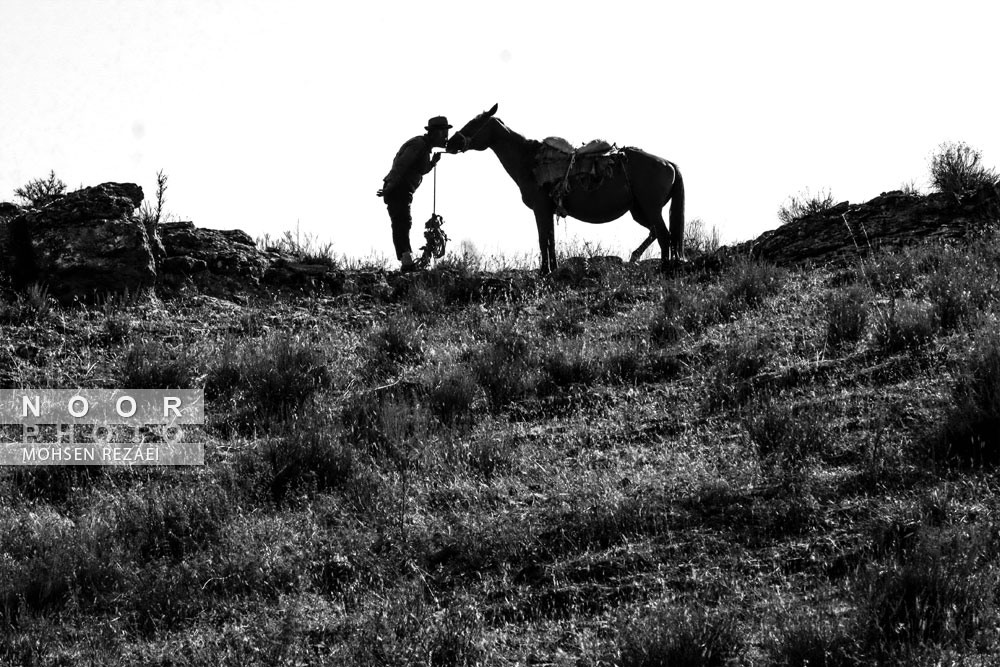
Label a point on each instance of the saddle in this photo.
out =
(560, 168)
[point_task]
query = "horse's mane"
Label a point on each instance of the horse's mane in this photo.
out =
(532, 145)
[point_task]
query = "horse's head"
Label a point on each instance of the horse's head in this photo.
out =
(474, 136)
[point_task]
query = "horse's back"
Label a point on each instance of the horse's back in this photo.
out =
(644, 157)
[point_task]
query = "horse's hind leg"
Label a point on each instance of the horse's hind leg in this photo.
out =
(651, 217)
(637, 253)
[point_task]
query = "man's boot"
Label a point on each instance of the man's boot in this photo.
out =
(408, 263)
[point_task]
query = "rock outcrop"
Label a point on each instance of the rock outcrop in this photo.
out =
(889, 221)
(223, 261)
(81, 245)
(226, 254)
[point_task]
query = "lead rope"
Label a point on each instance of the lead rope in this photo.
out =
(434, 236)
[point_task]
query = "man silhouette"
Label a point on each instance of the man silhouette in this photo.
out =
(412, 161)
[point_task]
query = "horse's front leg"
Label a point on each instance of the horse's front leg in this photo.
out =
(546, 239)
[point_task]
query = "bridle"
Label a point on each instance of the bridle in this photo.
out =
(468, 140)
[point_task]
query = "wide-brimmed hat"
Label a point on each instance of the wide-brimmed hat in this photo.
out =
(438, 123)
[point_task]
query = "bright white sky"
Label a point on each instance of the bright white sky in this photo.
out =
(270, 114)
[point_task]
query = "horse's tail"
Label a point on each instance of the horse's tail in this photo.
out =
(677, 214)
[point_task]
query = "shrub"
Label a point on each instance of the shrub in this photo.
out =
(893, 272)
(965, 282)
(956, 168)
(152, 214)
(699, 239)
(305, 247)
(689, 307)
(34, 305)
(675, 315)
(971, 432)
(307, 457)
(398, 341)
(149, 365)
(389, 423)
(748, 284)
(939, 593)
(847, 314)
(812, 641)
(805, 204)
(564, 365)
(452, 395)
(48, 560)
(503, 365)
(684, 638)
(172, 522)
(563, 317)
(53, 483)
(906, 326)
(784, 439)
(263, 382)
(741, 362)
(40, 191)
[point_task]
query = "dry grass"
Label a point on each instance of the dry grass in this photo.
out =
(603, 467)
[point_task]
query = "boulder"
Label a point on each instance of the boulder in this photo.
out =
(228, 261)
(230, 253)
(84, 244)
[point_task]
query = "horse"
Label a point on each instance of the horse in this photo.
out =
(642, 186)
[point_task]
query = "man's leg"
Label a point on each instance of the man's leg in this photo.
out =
(399, 214)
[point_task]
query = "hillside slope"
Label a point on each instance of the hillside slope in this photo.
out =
(742, 461)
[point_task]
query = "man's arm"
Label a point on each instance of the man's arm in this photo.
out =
(434, 160)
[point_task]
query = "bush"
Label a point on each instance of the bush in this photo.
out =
(811, 641)
(34, 305)
(908, 325)
(964, 283)
(971, 432)
(399, 341)
(847, 314)
(565, 365)
(805, 204)
(563, 317)
(307, 457)
(682, 638)
(687, 307)
(52, 483)
(940, 593)
(48, 561)
(502, 366)
(41, 191)
(957, 169)
(261, 383)
(172, 522)
(148, 365)
(741, 362)
(452, 395)
(748, 284)
(306, 247)
(784, 440)
(699, 239)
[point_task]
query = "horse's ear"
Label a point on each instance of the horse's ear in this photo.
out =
(493, 110)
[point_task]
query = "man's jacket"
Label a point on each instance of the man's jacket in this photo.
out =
(409, 166)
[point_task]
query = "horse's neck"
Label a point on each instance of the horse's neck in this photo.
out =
(514, 153)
